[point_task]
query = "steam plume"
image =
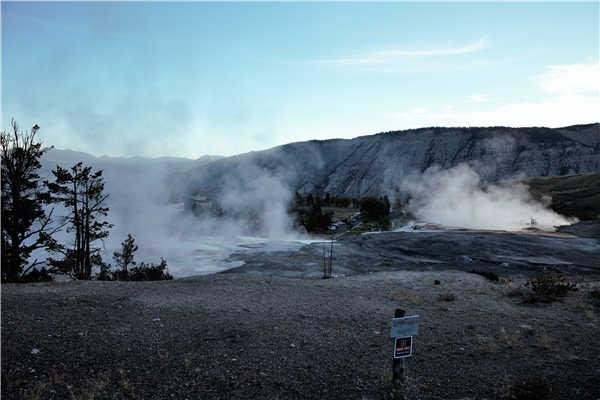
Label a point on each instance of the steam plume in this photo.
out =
(458, 197)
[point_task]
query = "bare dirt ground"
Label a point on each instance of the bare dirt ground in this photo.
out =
(244, 336)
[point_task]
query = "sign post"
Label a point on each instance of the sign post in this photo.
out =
(403, 330)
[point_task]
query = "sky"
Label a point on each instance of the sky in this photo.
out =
(191, 79)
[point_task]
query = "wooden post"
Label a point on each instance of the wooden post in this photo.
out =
(398, 363)
(324, 262)
(328, 262)
(330, 271)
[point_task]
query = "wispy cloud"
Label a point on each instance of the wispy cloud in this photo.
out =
(390, 55)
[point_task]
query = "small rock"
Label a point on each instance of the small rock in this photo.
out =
(528, 329)
(464, 259)
(292, 345)
(35, 351)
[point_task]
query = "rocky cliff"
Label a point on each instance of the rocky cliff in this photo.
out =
(375, 164)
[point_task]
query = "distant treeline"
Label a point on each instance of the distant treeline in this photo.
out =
(327, 200)
(336, 201)
(308, 211)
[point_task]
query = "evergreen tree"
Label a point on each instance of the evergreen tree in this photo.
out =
(125, 257)
(315, 220)
(373, 209)
(82, 192)
(25, 224)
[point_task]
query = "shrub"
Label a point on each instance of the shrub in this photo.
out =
(447, 297)
(548, 287)
(150, 272)
(105, 273)
(535, 388)
(142, 272)
(37, 275)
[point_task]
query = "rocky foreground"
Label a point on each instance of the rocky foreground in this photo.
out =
(243, 336)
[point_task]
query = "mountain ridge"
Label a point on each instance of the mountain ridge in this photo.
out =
(375, 164)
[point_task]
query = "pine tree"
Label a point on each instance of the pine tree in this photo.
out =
(25, 224)
(125, 257)
(82, 192)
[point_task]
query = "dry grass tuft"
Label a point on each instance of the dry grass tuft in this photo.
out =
(534, 388)
(486, 344)
(448, 296)
(548, 287)
(406, 296)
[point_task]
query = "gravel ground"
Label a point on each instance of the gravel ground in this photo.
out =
(247, 337)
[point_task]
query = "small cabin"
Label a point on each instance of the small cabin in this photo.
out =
(201, 203)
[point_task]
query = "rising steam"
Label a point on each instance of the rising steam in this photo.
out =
(458, 197)
(141, 203)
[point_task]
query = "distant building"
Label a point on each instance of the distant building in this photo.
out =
(201, 203)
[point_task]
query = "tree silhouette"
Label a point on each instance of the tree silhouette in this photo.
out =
(82, 192)
(373, 209)
(25, 224)
(125, 257)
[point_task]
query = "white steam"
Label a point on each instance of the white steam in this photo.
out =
(458, 197)
(258, 201)
(141, 202)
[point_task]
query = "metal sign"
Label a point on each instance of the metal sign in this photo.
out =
(403, 347)
(405, 326)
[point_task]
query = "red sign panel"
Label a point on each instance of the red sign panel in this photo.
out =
(403, 347)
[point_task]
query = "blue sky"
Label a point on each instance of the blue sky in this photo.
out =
(188, 79)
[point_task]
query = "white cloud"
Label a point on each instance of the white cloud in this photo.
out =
(478, 98)
(547, 112)
(386, 56)
(570, 79)
(569, 94)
